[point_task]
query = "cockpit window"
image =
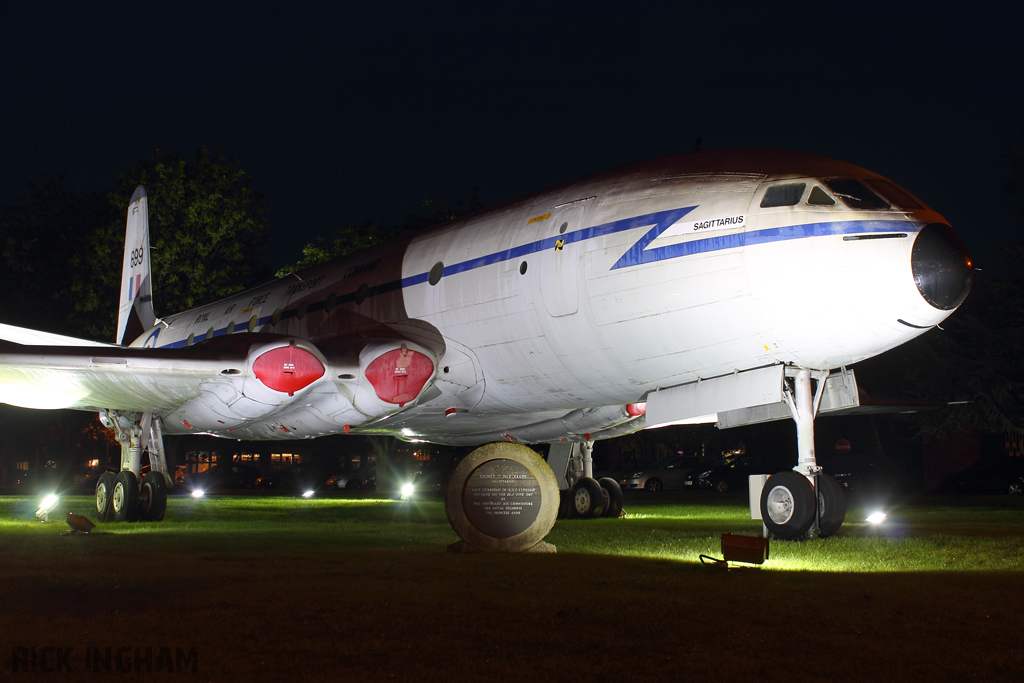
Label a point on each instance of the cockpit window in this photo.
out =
(855, 195)
(783, 195)
(894, 194)
(819, 197)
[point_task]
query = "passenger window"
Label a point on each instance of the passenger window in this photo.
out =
(894, 194)
(855, 195)
(819, 197)
(783, 195)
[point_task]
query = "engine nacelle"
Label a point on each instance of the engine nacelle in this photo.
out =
(391, 375)
(274, 375)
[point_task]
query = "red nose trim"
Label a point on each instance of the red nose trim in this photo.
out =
(288, 369)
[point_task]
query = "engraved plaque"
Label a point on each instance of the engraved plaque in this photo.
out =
(501, 498)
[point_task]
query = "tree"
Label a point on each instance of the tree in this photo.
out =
(43, 239)
(972, 360)
(62, 249)
(207, 226)
(350, 239)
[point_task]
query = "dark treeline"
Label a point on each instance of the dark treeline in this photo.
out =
(976, 356)
(62, 248)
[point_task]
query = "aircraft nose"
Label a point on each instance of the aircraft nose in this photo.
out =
(943, 270)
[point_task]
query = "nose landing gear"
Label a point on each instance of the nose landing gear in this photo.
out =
(804, 500)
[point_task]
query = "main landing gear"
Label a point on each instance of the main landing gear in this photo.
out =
(129, 495)
(803, 501)
(582, 496)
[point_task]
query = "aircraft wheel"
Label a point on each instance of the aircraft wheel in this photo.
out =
(153, 497)
(654, 485)
(352, 485)
(614, 491)
(1015, 489)
(125, 500)
(104, 494)
(587, 498)
(831, 503)
(722, 486)
(787, 505)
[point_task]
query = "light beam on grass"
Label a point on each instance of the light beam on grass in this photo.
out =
(973, 536)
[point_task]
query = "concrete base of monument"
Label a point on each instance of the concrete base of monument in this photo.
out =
(463, 547)
(503, 497)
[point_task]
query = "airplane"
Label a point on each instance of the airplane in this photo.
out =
(721, 286)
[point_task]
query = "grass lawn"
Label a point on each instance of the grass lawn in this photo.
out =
(357, 588)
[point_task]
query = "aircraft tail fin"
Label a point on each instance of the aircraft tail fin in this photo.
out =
(135, 309)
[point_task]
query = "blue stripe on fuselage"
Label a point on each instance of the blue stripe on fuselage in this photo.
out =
(661, 221)
(638, 254)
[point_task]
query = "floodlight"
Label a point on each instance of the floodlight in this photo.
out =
(876, 518)
(46, 507)
(197, 493)
(408, 490)
(79, 523)
(307, 494)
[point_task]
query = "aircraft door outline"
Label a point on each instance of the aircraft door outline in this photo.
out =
(559, 265)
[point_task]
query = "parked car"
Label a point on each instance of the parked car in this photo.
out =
(666, 474)
(298, 478)
(620, 469)
(727, 475)
(225, 477)
(988, 476)
(363, 478)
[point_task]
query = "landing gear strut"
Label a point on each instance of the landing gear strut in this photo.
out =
(803, 500)
(583, 497)
(129, 496)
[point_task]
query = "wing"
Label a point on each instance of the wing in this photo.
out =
(241, 385)
(23, 335)
(93, 378)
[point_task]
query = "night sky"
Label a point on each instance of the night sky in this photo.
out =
(344, 115)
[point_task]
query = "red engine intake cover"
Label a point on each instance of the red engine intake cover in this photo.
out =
(288, 369)
(398, 376)
(636, 409)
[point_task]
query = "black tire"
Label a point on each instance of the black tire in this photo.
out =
(832, 505)
(587, 498)
(1015, 489)
(352, 484)
(104, 494)
(787, 505)
(654, 486)
(614, 491)
(722, 486)
(125, 500)
(153, 497)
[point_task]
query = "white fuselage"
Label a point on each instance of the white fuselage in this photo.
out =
(564, 307)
